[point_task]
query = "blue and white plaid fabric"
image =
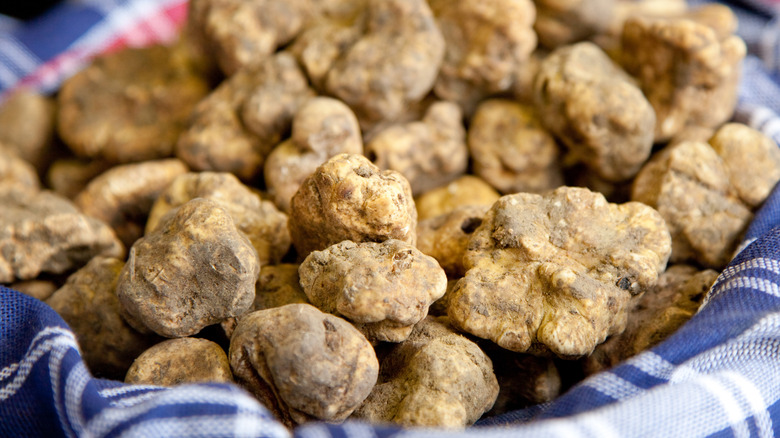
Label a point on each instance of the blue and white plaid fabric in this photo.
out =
(719, 375)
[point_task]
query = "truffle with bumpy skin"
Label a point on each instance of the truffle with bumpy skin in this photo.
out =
(44, 232)
(383, 288)
(688, 66)
(436, 378)
(446, 237)
(321, 128)
(123, 195)
(595, 109)
(554, 273)
(392, 65)
(88, 303)
(561, 22)
(235, 127)
(752, 161)
(303, 364)
(194, 270)
(429, 153)
(655, 315)
(179, 361)
(487, 43)
(511, 150)
(349, 198)
(129, 105)
(466, 190)
(263, 224)
(689, 185)
(16, 174)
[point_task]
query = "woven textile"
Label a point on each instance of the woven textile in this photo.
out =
(719, 375)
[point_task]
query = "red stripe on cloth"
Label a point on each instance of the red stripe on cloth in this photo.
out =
(144, 32)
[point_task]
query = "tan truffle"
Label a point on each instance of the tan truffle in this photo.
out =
(321, 128)
(655, 315)
(466, 190)
(554, 273)
(38, 289)
(69, 176)
(511, 150)
(349, 198)
(383, 288)
(129, 105)
(428, 153)
(446, 237)
(235, 127)
(44, 232)
(178, 361)
(123, 195)
(88, 303)
(688, 66)
(561, 22)
(263, 224)
(16, 174)
(487, 43)
(239, 32)
(302, 363)
(27, 121)
(393, 64)
(752, 161)
(436, 378)
(194, 270)
(595, 109)
(689, 185)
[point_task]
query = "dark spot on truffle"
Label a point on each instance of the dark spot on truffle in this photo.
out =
(470, 225)
(624, 283)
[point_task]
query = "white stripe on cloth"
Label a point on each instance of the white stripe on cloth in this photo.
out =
(75, 384)
(126, 389)
(612, 386)
(242, 425)
(55, 368)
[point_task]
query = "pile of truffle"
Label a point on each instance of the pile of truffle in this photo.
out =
(392, 210)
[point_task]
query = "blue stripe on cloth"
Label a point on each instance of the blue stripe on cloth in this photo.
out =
(54, 32)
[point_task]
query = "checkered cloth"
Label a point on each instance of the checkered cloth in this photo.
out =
(719, 375)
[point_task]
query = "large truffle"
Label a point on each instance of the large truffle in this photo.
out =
(194, 270)
(436, 378)
(302, 363)
(595, 109)
(555, 273)
(688, 66)
(349, 198)
(383, 288)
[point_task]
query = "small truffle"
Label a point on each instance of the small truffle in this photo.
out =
(16, 174)
(27, 121)
(428, 153)
(688, 183)
(562, 22)
(436, 378)
(182, 360)
(88, 303)
(554, 273)
(466, 190)
(302, 363)
(194, 270)
(595, 109)
(45, 232)
(383, 288)
(349, 198)
(511, 150)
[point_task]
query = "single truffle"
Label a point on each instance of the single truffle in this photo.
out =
(752, 161)
(321, 128)
(129, 105)
(466, 190)
(436, 378)
(194, 270)
(123, 195)
(511, 150)
(27, 121)
(69, 176)
(383, 288)
(259, 220)
(429, 153)
(302, 363)
(44, 232)
(177, 361)
(349, 198)
(560, 22)
(655, 315)
(88, 303)
(446, 237)
(487, 43)
(688, 66)
(38, 289)
(392, 65)
(554, 273)
(595, 109)
(16, 174)
(235, 127)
